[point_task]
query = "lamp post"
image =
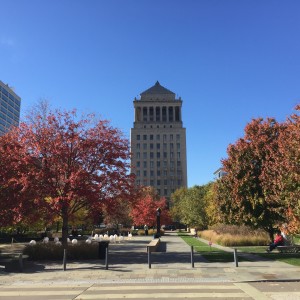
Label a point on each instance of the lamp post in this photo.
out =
(158, 213)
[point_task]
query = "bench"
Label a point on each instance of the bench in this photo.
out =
(288, 249)
(289, 246)
(153, 245)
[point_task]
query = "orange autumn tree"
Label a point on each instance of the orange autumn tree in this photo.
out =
(286, 183)
(246, 195)
(61, 164)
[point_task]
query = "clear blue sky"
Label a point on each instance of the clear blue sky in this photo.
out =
(230, 61)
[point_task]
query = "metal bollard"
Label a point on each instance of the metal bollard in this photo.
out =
(235, 257)
(106, 258)
(192, 256)
(21, 262)
(65, 260)
(149, 257)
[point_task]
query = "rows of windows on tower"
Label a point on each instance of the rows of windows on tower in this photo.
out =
(9, 108)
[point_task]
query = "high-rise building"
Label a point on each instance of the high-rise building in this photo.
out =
(10, 104)
(158, 141)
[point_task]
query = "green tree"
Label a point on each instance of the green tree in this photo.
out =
(188, 206)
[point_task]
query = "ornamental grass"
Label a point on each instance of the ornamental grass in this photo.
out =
(232, 235)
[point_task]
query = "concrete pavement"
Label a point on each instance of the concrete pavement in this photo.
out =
(129, 261)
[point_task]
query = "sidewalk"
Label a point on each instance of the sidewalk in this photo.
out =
(128, 263)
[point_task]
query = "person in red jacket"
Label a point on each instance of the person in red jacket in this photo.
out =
(278, 241)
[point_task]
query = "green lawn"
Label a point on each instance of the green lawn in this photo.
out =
(213, 254)
(290, 258)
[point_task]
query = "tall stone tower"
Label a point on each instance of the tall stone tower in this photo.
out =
(10, 104)
(158, 141)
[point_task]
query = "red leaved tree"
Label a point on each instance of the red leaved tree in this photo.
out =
(61, 165)
(144, 210)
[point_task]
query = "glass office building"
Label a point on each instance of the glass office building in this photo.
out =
(10, 104)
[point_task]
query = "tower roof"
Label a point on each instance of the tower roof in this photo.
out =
(157, 89)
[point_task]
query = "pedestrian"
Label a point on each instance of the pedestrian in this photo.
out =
(146, 229)
(278, 241)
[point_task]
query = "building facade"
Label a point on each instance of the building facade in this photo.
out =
(158, 141)
(10, 104)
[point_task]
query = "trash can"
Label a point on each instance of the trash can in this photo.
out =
(102, 249)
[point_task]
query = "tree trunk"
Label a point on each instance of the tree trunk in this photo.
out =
(271, 233)
(65, 226)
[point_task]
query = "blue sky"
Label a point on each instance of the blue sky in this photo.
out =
(230, 61)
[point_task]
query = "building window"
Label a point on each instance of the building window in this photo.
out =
(165, 155)
(171, 154)
(158, 137)
(151, 137)
(138, 155)
(138, 146)
(158, 172)
(138, 182)
(171, 137)
(151, 147)
(177, 137)
(144, 146)
(145, 173)
(151, 155)
(178, 146)
(151, 164)
(171, 146)
(145, 164)
(145, 182)
(138, 137)
(157, 154)
(178, 155)
(138, 173)
(151, 173)
(145, 137)
(158, 164)
(152, 182)
(138, 164)
(165, 192)
(165, 181)
(165, 147)
(165, 173)
(144, 155)
(157, 146)
(158, 182)
(178, 163)
(164, 137)
(165, 164)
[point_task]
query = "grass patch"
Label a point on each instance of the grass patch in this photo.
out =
(290, 258)
(211, 254)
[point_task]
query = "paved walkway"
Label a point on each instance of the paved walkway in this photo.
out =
(128, 263)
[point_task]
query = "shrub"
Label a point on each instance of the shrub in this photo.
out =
(51, 251)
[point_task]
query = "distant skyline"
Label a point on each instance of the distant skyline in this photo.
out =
(229, 61)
